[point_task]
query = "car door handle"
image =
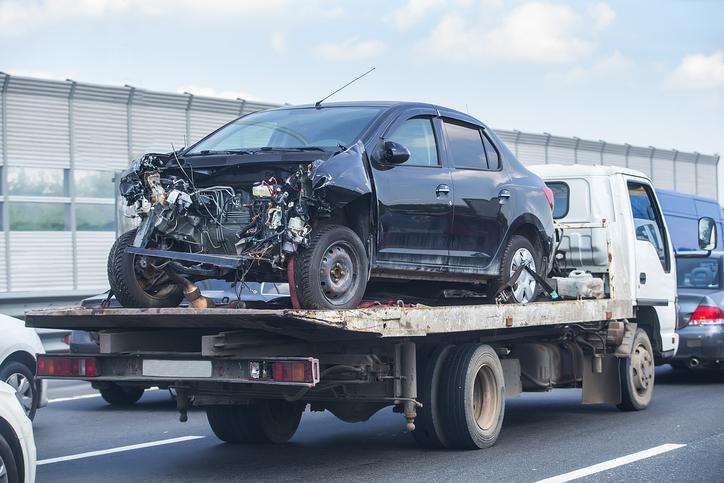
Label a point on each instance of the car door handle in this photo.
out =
(642, 278)
(442, 189)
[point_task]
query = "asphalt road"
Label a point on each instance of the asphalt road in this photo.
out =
(544, 435)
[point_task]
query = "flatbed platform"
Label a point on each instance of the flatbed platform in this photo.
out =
(377, 321)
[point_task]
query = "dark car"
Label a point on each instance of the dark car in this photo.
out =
(701, 319)
(330, 198)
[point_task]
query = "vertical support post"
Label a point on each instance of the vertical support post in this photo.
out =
(242, 105)
(716, 169)
(517, 140)
(651, 163)
(129, 121)
(188, 119)
(409, 382)
(676, 155)
(71, 182)
(603, 148)
(628, 149)
(696, 173)
(575, 150)
(6, 208)
(548, 141)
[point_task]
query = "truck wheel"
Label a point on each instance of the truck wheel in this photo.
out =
(428, 431)
(518, 250)
(637, 374)
(8, 466)
(20, 377)
(134, 282)
(472, 398)
(332, 272)
(269, 421)
(116, 395)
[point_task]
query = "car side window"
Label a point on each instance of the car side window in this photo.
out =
(492, 153)
(418, 136)
(466, 146)
(647, 220)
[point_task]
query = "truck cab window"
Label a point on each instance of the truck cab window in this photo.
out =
(647, 220)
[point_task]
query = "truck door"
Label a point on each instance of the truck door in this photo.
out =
(414, 198)
(655, 274)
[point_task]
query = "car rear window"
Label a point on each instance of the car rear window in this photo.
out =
(698, 273)
(561, 195)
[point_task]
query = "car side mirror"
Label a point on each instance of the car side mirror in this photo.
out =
(707, 234)
(393, 153)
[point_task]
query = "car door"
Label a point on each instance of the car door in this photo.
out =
(480, 195)
(414, 198)
(655, 276)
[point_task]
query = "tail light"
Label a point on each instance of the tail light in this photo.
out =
(707, 315)
(549, 196)
(63, 366)
(306, 371)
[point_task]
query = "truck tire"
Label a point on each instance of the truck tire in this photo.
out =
(472, 397)
(331, 273)
(8, 465)
(428, 431)
(116, 395)
(270, 421)
(126, 277)
(20, 377)
(526, 289)
(637, 374)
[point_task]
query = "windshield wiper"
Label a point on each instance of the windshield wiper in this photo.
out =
(206, 152)
(300, 148)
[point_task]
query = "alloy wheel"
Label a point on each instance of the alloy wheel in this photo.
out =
(524, 288)
(24, 390)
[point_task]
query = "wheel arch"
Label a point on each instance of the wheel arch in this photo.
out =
(356, 215)
(22, 356)
(7, 431)
(648, 319)
(530, 227)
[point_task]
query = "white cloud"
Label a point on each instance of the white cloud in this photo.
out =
(279, 42)
(213, 92)
(616, 65)
(335, 12)
(699, 71)
(531, 32)
(412, 12)
(351, 49)
(602, 14)
(21, 16)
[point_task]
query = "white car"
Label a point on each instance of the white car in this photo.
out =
(17, 445)
(18, 347)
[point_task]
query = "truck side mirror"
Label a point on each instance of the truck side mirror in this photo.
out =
(393, 153)
(707, 234)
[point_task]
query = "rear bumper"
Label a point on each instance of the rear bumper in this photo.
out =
(705, 343)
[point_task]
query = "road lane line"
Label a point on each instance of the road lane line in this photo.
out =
(119, 449)
(607, 465)
(86, 396)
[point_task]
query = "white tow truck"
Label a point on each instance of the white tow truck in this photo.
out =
(448, 369)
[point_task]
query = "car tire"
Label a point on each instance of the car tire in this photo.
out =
(518, 248)
(125, 284)
(472, 397)
(21, 378)
(271, 421)
(116, 395)
(428, 431)
(331, 273)
(8, 465)
(637, 374)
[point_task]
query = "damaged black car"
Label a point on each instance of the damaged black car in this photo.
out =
(333, 199)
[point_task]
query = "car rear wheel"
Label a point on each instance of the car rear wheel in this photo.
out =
(269, 421)
(332, 272)
(116, 395)
(519, 251)
(8, 467)
(637, 374)
(135, 281)
(20, 377)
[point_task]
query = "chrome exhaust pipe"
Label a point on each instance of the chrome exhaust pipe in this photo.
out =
(694, 362)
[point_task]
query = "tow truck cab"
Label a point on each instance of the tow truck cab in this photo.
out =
(598, 207)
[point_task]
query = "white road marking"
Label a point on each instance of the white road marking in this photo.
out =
(86, 396)
(119, 449)
(607, 465)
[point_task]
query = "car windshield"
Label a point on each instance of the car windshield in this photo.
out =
(291, 128)
(698, 273)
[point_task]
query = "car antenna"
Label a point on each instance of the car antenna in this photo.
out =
(319, 102)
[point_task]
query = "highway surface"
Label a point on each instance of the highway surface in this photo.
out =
(680, 437)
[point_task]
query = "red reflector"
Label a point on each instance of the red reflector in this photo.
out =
(61, 366)
(549, 196)
(707, 315)
(293, 371)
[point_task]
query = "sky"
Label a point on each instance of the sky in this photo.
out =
(642, 72)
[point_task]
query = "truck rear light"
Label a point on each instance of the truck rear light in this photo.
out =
(306, 370)
(63, 366)
(707, 315)
(549, 196)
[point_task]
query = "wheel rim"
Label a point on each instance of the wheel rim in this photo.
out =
(524, 287)
(642, 370)
(3, 471)
(338, 273)
(486, 399)
(23, 390)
